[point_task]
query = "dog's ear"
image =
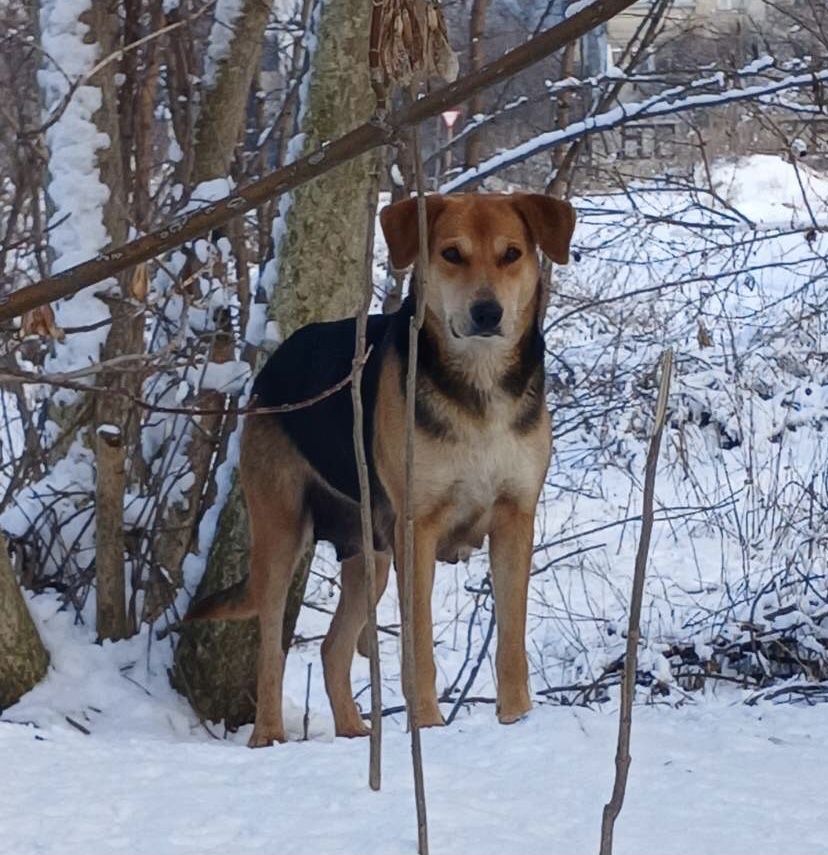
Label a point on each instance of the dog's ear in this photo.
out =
(551, 222)
(399, 225)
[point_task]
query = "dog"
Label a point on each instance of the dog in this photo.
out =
(482, 448)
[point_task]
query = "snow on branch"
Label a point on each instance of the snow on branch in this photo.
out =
(77, 192)
(669, 102)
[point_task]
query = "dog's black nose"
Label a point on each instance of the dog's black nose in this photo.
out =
(486, 315)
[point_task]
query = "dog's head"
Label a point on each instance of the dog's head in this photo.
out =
(483, 270)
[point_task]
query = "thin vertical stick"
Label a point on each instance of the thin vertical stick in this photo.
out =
(622, 752)
(375, 749)
(409, 665)
(306, 716)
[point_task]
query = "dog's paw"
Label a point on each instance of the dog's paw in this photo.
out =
(265, 737)
(353, 730)
(513, 713)
(512, 718)
(430, 716)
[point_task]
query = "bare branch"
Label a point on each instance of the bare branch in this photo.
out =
(622, 756)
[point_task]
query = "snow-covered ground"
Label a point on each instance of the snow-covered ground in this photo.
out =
(714, 776)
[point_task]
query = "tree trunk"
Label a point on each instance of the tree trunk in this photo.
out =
(222, 115)
(110, 614)
(23, 658)
(115, 426)
(477, 32)
(95, 35)
(319, 274)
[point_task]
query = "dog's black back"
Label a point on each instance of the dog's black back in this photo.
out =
(314, 359)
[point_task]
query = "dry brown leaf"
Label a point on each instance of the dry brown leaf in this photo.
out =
(40, 322)
(414, 43)
(703, 336)
(139, 284)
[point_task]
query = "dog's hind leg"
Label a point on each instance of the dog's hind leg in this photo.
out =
(278, 535)
(383, 564)
(339, 644)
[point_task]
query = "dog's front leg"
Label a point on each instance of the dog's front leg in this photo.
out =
(510, 552)
(425, 673)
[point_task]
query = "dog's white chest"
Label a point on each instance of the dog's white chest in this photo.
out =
(487, 460)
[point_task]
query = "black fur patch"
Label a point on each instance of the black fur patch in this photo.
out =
(433, 371)
(429, 422)
(525, 379)
(531, 404)
(528, 359)
(336, 518)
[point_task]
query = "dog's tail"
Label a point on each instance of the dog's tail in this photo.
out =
(233, 603)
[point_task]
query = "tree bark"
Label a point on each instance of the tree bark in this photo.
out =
(477, 32)
(222, 115)
(23, 658)
(320, 276)
(110, 603)
(116, 428)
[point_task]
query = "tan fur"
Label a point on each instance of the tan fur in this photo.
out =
(485, 481)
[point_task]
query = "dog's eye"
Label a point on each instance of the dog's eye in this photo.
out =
(511, 255)
(452, 255)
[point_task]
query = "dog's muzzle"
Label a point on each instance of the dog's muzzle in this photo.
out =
(485, 318)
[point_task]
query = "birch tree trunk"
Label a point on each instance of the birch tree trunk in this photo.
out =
(23, 658)
(319, 274)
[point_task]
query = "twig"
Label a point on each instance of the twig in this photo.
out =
(378, 81)
(418, 284)
(253, 409)
(78, 726)
(484, 649)
(306, 716)
(375, 744)
(367, 136)
(622, 755)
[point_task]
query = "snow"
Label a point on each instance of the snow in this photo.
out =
(78, 195)
(780, 202)
(149, 779)
(577, 6)
(269, 334)
(221, 37)
(196, 562)
(537, 787)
